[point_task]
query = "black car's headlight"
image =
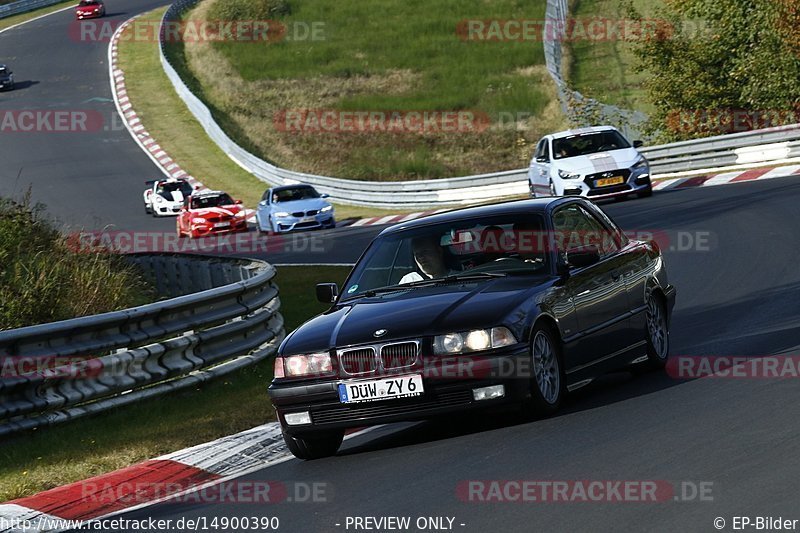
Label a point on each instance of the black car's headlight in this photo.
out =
(641, 164)
(293, 366)
(472, 341)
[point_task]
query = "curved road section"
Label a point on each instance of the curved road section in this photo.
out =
(660, 452)
(60, 134)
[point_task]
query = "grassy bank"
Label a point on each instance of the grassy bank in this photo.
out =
(44, 279)
(409, 58)
(62, 454)
(605, 69)
(22, 17)
(178, 132)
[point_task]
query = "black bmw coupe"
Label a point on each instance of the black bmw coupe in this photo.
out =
(514, 302)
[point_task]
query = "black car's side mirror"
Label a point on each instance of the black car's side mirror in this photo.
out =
(327, 292)
(583, 256)
(638, 144)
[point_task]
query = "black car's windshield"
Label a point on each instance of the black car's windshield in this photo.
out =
(294, 193)
(588, 143)
(3, 71)
(203, 202)
(452, 251)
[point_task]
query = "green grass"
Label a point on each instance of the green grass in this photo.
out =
(408, 58)
(62, 454)
(178, 132)
(22, 17)
(43, 278)
(605, 70)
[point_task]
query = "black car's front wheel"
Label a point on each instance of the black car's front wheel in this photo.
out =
(547, 382)
(314, 446)
(656, 334)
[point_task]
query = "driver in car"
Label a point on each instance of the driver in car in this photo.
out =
(429, 257)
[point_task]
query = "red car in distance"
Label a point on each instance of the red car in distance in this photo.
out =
(90, 9)
(211, 213)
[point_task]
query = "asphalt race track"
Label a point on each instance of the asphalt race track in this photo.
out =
(737, 295)
(88, 179)
(738, 283)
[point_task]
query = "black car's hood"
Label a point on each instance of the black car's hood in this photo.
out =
(414, 313)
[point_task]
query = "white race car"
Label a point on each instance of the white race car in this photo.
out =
(165, 197)
(597, 162)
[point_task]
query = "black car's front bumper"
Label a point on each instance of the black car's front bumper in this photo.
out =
(447, 390)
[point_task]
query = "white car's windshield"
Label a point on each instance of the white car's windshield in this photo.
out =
(499, 244)
(166, 190)
(588, 143)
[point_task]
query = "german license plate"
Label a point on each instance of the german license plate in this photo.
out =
(380, 389)
(308, 219)
(222, 224)
(605, 182)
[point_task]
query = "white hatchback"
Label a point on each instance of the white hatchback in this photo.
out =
(597, 162)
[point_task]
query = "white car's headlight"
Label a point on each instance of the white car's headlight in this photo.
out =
(568, 175)
(305, 365)
(159, 199)
(472, 341)
(640, 164)
(326, 209)
(281, 214)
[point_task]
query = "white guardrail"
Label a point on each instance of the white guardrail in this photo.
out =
(764, 146)
(223, 315)
(23, 6)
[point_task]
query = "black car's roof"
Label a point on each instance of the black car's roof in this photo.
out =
(535, 205)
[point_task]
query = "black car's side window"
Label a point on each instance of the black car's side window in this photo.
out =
(575, 227)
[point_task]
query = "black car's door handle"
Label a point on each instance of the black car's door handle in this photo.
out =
(616, 276)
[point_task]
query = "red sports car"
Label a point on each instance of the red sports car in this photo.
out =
(90, 9)
(210, 213)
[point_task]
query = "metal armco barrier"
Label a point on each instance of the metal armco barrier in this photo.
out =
(764, 146)
(758, 146)
(97, 362)
(23, 6)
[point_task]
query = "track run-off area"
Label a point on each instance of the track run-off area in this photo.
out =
(732, 251)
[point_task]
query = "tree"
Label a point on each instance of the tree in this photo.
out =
(719, 66)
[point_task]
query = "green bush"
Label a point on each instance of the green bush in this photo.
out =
(250, 10)
(43, 279)
(739, 56)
